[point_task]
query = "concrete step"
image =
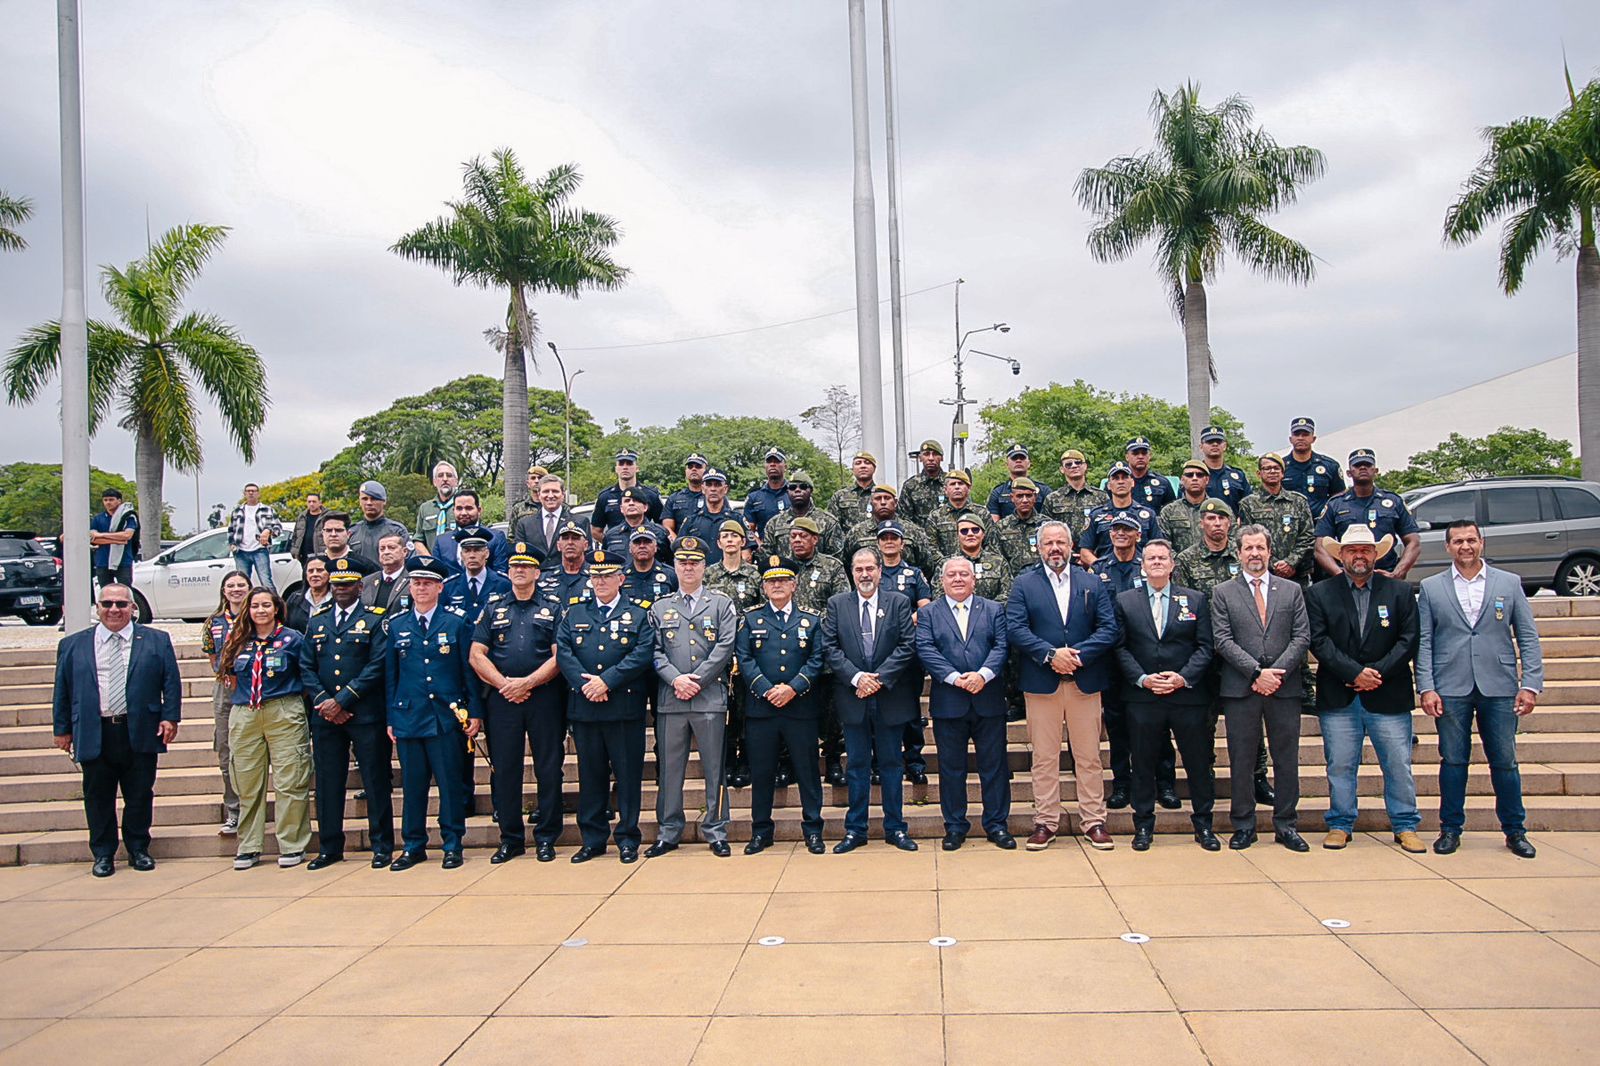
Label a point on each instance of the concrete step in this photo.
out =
(193, 707)
(46, 655)
(46, 674)
(1587, 625)
(43, 693)
(39, 737)
(1568, 647)
(1565, 606)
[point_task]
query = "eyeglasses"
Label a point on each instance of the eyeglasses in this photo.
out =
(116, 605)
(1072, 462)
(1194, 473)
(969, 532)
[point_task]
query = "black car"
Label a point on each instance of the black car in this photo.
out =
(30, 579)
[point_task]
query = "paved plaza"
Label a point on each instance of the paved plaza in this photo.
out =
(1476, 957)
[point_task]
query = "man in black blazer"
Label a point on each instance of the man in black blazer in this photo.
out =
(1364, 635)
(541, 526)
(868, 638)
(961, 640)
(118, 698)
(1163, 652)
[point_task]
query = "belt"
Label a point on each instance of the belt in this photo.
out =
(115, 719)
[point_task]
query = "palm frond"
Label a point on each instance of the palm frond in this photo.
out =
(1524, 234)
(1268, 252)
(14, 211)
(159, 394)
(180, 253)
(230, 371)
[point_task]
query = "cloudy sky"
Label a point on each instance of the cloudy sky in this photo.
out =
(718, 134)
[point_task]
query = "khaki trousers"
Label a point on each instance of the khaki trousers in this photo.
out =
(1077, 713)
(275, 732)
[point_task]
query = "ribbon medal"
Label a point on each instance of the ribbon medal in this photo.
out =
(1383, 615)
(1499, 608)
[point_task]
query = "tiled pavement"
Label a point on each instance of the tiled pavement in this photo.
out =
(1476, 957)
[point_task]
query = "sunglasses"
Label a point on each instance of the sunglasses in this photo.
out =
(969, 532)
(1194, 473)
(116, 605)
(1072, 462)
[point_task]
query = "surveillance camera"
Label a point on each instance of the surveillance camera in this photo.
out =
(1016, 369)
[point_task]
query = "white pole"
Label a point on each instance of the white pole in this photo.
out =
(896, 294)
(74, 329)
(867, 340)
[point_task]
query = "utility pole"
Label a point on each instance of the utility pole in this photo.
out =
(76, 590)
(868, 355)
(896, 287)
(958, 425)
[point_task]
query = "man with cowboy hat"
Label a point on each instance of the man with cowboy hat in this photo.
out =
(1364, 635)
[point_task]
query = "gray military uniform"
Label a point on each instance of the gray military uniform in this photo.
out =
(699, 643)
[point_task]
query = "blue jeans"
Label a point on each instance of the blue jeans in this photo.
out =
(860, 742)
(1342, 733)
(259, 561)
(1497, 727)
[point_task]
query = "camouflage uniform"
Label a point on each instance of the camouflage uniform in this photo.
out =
(1287, 517)
(994, 576)
(921, 495)
(1180, 521)
(1017, 539)
(817, 579)
(776, 537)
(919, 552)
(1201, 569)
(941, 527)
(851, 504)
(742, 586)
(1072, 506)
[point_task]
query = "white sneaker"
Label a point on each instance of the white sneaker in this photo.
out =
(230, 827)
(245, 862)
(292, 859)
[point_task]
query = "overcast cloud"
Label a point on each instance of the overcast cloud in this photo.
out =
(718, 133)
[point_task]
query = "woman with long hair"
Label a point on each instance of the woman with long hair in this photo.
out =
(213, 635)
(267, 727)
(312, 596)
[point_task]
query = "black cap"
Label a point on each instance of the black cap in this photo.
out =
(1211, 434)
(569, 526)
(1013, 450)
(695, 458)
(627, 455)
(473, 537)
(775, 453)
(1126, 521)
(1119, 468)
(1302, 423)
(642, 533)
(525, 554)
(713, 474)
(427, 568)
(1138, 444)
(635, 493)
(1363, 455)
(889, 525)
(603, 562)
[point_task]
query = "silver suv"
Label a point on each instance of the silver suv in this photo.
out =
(1545, 529)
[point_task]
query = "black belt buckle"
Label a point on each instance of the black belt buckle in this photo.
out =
(117, 719)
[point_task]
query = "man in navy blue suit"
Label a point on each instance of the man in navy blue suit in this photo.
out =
(961, 639)
(868, 639)
(118, 696)
(1062, 622)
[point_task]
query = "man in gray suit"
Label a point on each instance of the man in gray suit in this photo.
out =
(1261, 631)
(1467, 667)
(695, 629)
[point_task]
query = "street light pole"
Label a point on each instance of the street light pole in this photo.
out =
(869, 356)
(958, 427)
(77, 592)
(566, 389)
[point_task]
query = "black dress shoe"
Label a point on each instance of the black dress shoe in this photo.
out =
(739, 778)
(1241, 839)
(876, 779)
(104, 867)
(585, 853)
(658, 849)
(757, 845)
(783, 779)
(720, 849)
(814, 844)
(1518, 843)
(1207, 839)
(361, 795)
(917, 776)
(1265, 796)
(628, 853)
(1167, 797)
(322, 862)
(1449, 840)
(1142, 837)
(1003, 840)
(452, 860)
(381, 860)
(850, 843)
(835, 774)
(1291, 840)
(506, 852)
(902, 841)
(1118, 798)
(408, 859)
(141, 861)
(545, 852)
(953, 841)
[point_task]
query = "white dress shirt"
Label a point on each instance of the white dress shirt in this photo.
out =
(426, 618)
(1469, 592)
(983, 671)
(124, 646)
(1061, 585)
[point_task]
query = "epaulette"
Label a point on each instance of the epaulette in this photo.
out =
(324, 609)
(643, 603)
(753, 610)
(809, 610)
(376, 610)
(458, 612)
(573, 600)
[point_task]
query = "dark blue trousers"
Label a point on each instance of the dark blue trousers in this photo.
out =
(987, 737)
(861, 741)
(331, 746)
(425, 761)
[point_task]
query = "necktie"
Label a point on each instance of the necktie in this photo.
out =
(340, 619)
(116, 676)
(422, 620)
(1261, 601)
(1158, 612)
(688, 604)
(477, 587)
(549, 527)
(866, 626)
(961, 619)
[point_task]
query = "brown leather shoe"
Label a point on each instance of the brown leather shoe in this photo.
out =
(1098, 838)
(1336, 839)
(1041, 838)
(1409, 841)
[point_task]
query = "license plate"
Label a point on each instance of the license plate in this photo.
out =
(30, 601)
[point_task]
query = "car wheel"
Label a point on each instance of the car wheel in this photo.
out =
(43, 618)
(1579, 576)
(141, 607)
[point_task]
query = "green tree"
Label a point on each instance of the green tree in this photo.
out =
(508, 233)
(1097, 422)
(1508, 451)
(1545, 175)
(30, 498)
(14, 211)
(148, 366)
(288, 497)
(1199, 193)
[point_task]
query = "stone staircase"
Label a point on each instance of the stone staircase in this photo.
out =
(41, 811)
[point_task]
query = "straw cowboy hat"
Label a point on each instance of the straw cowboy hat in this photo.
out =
(1358, 534)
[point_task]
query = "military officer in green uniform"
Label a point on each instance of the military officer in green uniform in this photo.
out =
(741, 581)
(853, 503)
(1180, 519)
(919, 549)
(994, 576)
(1017, 539)
(1286, 516)
(924, 490)
(941, 525)
(803, 505)
(818, 578)
(1073, 501)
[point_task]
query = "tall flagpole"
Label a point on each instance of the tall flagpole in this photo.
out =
(896, 289)
(868, 355)
(74, 329)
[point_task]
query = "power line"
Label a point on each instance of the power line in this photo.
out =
(742, 332)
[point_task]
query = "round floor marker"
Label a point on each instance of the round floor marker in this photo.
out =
(1136, 938)
(1335, 923)
(575, 942)
(943, 941)
(770, 941)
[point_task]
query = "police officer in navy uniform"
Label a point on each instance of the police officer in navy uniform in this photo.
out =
(433, 696)
(1228, 483)
(635, 516)
(1151, 489)
(715, 509)
(1310, 473)
(1095, 541)
(766, 500)
(1018, 464)
(513, 651)
(566, 575)
(779, 651)
(689, 501)
(1379, 509)
(475, 584)
(342, 662)
(647, 580)
(605, 647)
(607, 505)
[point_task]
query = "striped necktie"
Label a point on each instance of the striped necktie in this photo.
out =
(116, 672)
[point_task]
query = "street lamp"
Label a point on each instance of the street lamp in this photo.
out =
(958, 427)
(566, 388)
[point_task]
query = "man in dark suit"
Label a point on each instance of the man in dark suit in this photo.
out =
(1364, 635)
(1259, 622)
(1062, 622)
(1164, 653)
(117, 701)
(961, 640)
(868, 645)
(541, 526)
(388, 588)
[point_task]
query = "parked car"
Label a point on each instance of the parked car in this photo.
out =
(1545, 529)
(30, 578)
(185, 580)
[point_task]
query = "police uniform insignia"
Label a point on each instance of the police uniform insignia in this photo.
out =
(806, 621)
(342, 564)
(521, 548)
(1388, 503)
(1233, 569)
(1321, 470)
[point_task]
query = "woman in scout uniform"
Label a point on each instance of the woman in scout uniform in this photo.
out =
(260, 662)
(213, 635)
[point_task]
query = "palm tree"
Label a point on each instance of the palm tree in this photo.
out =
(1200, 192)
(147, 367)
(508, 233)
(14, 211)
(1545, 174)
